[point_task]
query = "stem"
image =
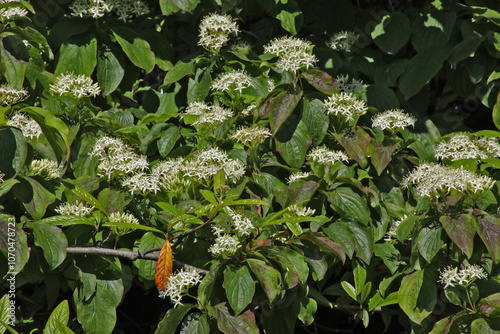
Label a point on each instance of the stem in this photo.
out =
(473, 308)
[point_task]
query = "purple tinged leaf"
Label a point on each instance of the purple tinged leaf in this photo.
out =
(356, 144)
(381, 155)
(326, 245)
(267, 276)
(282, 107)
(229, 324)
(461, 230)
(488, 228)
(320, 80)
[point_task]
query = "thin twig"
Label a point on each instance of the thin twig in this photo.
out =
(130, 255)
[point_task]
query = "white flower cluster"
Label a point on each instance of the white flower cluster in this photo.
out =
(208, 115)
(353, 86)
(7, 14)
(73, 209)
(122, 217)
(297, 176)
(433, 180)
(233, 223)
(225, 245)
(169, 174)
(345, 105)
(301, 211)
(117, 159)
(232, 81)
(30, 128)
(392, 231)
(463, 146)
(251, 136)
(343, 41)
(209, 161)
(98, 8)
(325, 156)
(293, 53)
(249, 110)
(10, 95)
(142, 183)
(451, 276)
(215, 30)
(271, 85)
(75, 85)
(393, 120)
(46, 168)
(179, 283)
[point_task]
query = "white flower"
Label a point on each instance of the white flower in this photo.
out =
(301, 211)
(168, 173)
(91, 8)
(451, 276)
(293, 53)
(46, 168)
(75, 85)
(208, 162)
(126, 9)
(208, 115)
(242, 225)
(297, 176)
(251, 136)
(117, 159)
(179, 283)
(433, 180)
(393, 120)
(10, 95)
(343, 41)
(215, 30)
(464, 146)
(345, 105)
(353, 87)
(28, 125)
(121, 217)
(232, 81)
(225, 245)
(323, 155)
(72, 209)
(7, 14)
(142, 183)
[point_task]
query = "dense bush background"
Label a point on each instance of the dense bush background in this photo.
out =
(333, 270)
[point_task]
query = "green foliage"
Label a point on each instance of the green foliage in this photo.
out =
(264, 165)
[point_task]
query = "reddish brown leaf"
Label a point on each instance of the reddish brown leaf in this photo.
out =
(164, 266)
(461, 230)
(320, 80)
(356, 143)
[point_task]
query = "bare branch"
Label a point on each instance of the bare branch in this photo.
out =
(130, 255)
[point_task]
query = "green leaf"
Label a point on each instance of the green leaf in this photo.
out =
(429, 240)
(239, 286)
(490, 306)
(53, 242)
(308, 308)
(381, 97)
(343, 235)
(21, 254)
(87, 197)
(13, 150)
(167, 140)
(59, 315)
(67, 220)
(196, 324)
(292, 142)
(356, 144)
(405, 227)
(349, 204)
(229, 324)
(179, 71)
(209, 196)
(78, 55)
(292, 263)
(282, 107)
(465, 49)
(418, 295)
(481, 326)
(14, 69)
(199, 86)
(132, 226)
(389, 254)
(432, 29)
(4, 312)
(488, 228)
(110, 68)
(496, 112)
(135, 47)
(34, 196)
(421, 69)
(363, 240)
(378, 301)
(113, 200)
(300, 191)
(320, 80)
(146, 268)
(267, 276)
(351, 291)
(315, 118)
(54, 129)
(172, 319)
(461, 229)
(392, 33)
(290, 16)
(326, 245)
(381, 155)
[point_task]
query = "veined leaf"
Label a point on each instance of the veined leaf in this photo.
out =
(239, 286)
(164, 266)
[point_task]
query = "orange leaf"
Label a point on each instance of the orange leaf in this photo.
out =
(164, 266)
